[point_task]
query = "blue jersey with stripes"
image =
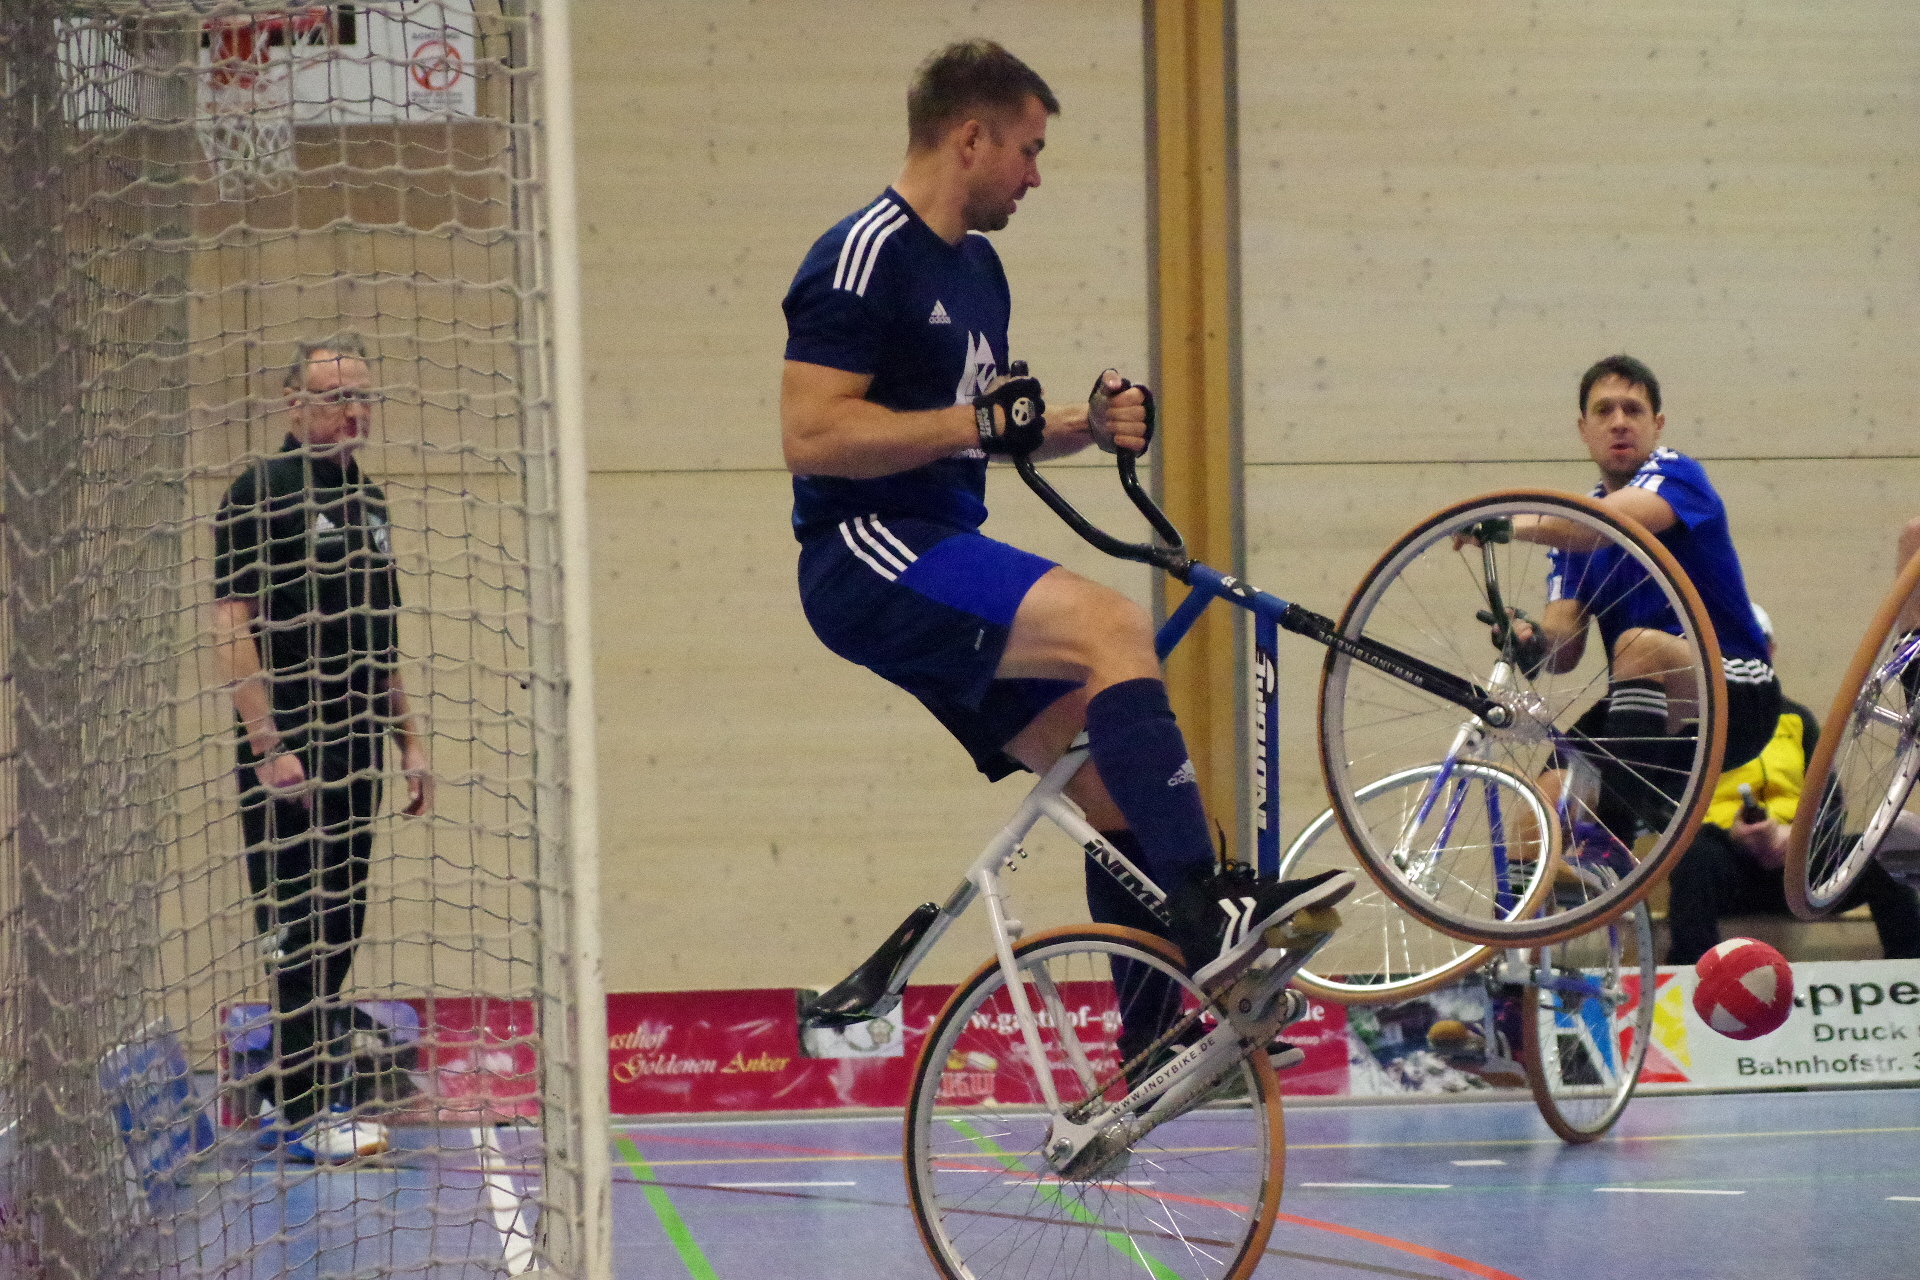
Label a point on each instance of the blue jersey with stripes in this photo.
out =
(881, 294)
(1619, 595)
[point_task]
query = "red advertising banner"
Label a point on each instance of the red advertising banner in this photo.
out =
(692, 1051)
(699, 1051)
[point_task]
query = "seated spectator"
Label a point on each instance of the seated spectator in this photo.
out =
(1734, 866)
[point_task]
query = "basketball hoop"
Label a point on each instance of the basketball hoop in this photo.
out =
(246, 98)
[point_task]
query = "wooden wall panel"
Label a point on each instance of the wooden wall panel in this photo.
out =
(718, 140)
(1451, 209)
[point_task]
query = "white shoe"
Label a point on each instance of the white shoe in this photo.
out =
(336, 1138)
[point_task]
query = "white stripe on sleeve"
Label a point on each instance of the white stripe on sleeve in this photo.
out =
(873, 254)
(880, 209)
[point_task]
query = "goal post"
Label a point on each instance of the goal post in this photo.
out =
(188, 191)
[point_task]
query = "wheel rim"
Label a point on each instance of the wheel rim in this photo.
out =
(1195, 1196)
(1585, 1048)
(1381, 952)
(1422, 599)
(1875, 765)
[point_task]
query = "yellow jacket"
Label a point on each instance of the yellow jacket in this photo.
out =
(1776, 775)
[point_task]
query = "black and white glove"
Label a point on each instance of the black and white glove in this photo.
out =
(1097, 401)
(1011, 414)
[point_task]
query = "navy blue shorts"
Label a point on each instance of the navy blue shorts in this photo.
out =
(929, 607)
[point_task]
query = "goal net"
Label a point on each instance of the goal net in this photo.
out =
(189, 191)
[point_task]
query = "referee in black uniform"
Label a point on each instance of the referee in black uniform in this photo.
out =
(306, 601)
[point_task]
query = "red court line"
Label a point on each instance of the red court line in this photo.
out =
(1404, 1246)
(1417, 1250)
(1481, 1270)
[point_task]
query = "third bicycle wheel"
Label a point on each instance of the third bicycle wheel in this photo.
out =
(1381, 953)
(1627, 803)
(1864, 766)
(1586, 1025)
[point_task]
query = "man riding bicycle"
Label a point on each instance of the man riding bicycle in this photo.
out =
(897, 388)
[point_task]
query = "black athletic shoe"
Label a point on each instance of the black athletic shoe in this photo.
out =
(1219, 919)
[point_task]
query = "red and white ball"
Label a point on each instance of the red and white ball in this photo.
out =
(1745, 989)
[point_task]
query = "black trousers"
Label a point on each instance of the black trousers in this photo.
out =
(307, 868)
(1715, 878)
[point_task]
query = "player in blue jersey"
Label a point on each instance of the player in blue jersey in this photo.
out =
(1669, 493)
(896, 389)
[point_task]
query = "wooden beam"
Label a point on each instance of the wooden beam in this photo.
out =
(1194, 230)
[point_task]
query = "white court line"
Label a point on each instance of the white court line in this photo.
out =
(1909, 1199)
(1671, 1191)
(783, 1184)
(509, 1210)
(1477, 1164)
(1384, 1186)
(1062, 1182)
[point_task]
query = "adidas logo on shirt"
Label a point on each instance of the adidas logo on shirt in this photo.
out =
(1183, 774)
(321, 524)
(939, 315)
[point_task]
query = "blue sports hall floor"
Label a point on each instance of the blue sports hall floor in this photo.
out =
(1760, 1186)
(1798, 1186)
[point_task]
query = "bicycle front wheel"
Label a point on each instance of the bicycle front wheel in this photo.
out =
(1489, 817)
(1864, 767)
(1195, 1198)
(1588, 1017)
(1433, 597)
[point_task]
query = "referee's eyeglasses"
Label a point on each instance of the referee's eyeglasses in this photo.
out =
(341, 397)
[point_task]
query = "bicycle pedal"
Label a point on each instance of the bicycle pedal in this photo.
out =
(1303, 928)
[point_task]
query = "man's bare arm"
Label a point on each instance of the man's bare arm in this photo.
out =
(412, 741)
(829, 428)
(1643, 505)
(1565, 628)
(236, 661)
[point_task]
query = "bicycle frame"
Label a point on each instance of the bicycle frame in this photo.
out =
(1253, 1007)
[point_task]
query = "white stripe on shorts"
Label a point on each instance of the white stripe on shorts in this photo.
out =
(905, 552)
(878, 547)
(846, 531)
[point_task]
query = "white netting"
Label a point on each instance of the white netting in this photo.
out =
(188, 190)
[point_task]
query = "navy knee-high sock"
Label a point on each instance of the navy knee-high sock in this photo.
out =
(1148, 1001)
(1142, 759)
(1635, 733)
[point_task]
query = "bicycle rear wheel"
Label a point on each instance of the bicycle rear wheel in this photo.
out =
(1425, 599)
(1381, 953)
(1195, 1198)
(1864, 766)
(1586, 1029)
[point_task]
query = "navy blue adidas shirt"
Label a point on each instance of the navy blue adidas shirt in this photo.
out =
(881, 294)
(1621, 596)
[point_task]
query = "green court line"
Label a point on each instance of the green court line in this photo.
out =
(1011, 1163)
(670, 1221)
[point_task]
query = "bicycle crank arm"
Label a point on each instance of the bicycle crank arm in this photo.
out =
(1255, 1004)
(1255, 1007)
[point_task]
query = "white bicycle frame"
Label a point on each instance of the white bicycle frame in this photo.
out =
(1250, 1010)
